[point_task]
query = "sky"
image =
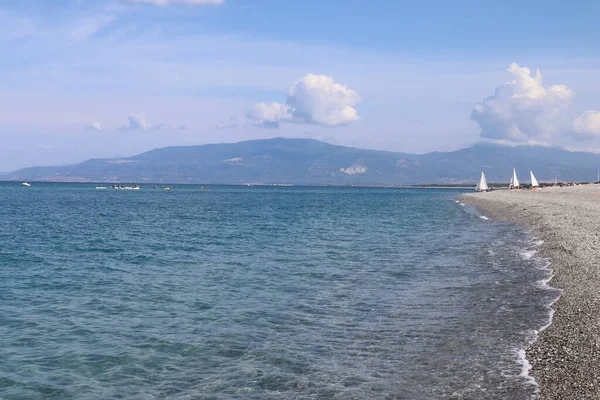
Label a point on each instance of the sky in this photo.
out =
(84, 79)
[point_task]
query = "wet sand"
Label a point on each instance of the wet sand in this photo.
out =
(566, 358)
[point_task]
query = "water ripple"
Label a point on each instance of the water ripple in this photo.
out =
(256, 293)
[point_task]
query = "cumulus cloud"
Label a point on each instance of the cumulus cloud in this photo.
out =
(314, 99)
(163, 3)
(270, 115)
(138, 122)
(317, 99)
(587, 125)
(523, 109)
(94, 126)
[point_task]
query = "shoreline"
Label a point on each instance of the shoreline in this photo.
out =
(566, 355)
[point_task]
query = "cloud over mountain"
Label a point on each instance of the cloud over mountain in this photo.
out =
(587, 125)
(271, 114)
(138, 122)
(314, 99)
(524, 111)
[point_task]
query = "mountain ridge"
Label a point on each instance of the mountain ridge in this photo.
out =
(312, 162)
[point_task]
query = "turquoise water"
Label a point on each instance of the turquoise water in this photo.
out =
(261, 293)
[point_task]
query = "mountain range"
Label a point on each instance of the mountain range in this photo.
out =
(311, 162)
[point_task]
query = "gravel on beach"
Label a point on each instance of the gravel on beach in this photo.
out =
(566, 357)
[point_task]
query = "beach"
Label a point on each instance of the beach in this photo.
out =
(565, 359)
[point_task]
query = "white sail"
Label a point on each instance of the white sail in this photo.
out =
(515, 181)
(482, 186)
(534, 182)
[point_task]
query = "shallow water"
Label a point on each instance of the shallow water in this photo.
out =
(262, 293)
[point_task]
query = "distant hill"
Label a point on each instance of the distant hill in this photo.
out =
(306, 161)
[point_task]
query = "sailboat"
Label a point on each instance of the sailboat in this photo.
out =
(482, 186)
(514, 182)
(26, 183)
(534, 182)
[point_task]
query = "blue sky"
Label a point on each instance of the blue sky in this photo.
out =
(82, 79)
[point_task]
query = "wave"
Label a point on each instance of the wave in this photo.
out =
(528, 254)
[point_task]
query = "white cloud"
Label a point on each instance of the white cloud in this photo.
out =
(269, 115)
(138, 122)
(94, 126)
(314, 99)
(523, 109)
(235, 160)
(163, 3)
(587, 125)
(317, 99)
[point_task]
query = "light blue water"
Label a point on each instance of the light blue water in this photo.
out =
(261, 293)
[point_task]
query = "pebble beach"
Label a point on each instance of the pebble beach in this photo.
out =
(565, 359)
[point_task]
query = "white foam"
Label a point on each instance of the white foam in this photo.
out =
(545, 264)
(550, 316)
(528, 254)
(456, 201)
(525, 368)
(462, 204)
(525, 365)
(483, 217)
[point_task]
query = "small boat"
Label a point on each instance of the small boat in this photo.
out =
(482, 186)
(167, 188)
(132, 187)
(26, 183)
(534, 183)
(514, 182)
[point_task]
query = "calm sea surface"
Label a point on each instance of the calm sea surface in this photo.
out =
(262, 293)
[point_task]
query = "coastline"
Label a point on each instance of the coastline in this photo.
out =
(565, 358)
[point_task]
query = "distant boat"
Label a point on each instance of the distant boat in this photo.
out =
(100, 187)
(482, 186)
(26, 183)
(534, 182)
(167, 188)
(132, 187)
(514, 182)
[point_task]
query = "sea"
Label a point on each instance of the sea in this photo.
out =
(236, 292)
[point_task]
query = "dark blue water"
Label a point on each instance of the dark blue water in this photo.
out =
(261, 293)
